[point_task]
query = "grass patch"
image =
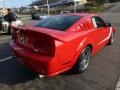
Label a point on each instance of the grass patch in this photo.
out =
(97, 9)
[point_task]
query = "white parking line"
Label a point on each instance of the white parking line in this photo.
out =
(6, 59)
(118, 85)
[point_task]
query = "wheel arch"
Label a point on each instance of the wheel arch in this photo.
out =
(80, 51)
(76, 61)
(91, 46)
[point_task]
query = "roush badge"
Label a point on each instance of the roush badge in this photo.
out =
(23, 39)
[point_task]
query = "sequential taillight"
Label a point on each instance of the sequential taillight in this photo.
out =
(44, 47)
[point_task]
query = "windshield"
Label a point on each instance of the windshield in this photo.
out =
(58, 22)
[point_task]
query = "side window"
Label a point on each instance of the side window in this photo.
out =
(98, 22)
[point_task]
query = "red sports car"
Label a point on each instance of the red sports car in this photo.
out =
(60, 43)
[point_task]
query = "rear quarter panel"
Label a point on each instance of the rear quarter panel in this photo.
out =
(69, 51)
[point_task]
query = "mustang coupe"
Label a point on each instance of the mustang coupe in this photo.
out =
(60, 43)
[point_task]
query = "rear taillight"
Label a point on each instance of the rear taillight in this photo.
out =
(44, 47)
(13, 33)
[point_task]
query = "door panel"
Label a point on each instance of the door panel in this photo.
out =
(102, 31)
(104, 35)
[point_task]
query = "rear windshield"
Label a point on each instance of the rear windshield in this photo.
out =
(58, 22)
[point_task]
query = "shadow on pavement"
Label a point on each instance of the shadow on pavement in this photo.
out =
(70, 72)
(11, 71)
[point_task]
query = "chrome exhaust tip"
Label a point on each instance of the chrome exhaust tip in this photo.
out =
(41, 76)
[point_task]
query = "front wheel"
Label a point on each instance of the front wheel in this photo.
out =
(111, 41)
(83, 60)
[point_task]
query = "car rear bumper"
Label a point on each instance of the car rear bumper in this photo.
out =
(43, 65)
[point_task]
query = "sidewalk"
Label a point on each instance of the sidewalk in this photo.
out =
(112, 7)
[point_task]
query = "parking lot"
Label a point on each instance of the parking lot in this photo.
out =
(102, 74)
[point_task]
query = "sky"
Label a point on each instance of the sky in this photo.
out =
(16, 3)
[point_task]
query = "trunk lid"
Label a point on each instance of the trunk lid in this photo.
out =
(38, 40)
(41, 40)
(63, 36)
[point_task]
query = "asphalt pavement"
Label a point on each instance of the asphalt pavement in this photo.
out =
(102, 73)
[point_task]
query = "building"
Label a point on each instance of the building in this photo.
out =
(83, 1)
(57, 2)
(103, 1)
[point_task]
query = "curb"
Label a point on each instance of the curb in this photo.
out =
(118, 85)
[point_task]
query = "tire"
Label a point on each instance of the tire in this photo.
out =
(111, 41)
(83, 60)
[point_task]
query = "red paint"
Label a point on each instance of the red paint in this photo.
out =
(50, 52)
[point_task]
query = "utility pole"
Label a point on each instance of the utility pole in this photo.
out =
(91, 5)
(32, 6)
(2, 3)
(75, 6)
(48, 7)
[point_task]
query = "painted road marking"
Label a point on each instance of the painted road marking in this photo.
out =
(6, 59)
(118, 85)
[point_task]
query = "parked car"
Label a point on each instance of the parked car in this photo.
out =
(43, 16)
(37, 16)
(64, 12)
(5, 24)
(60, 43)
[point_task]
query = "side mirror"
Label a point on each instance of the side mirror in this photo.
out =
(108, 25)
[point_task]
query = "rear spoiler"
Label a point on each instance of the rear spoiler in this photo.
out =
(56, 34)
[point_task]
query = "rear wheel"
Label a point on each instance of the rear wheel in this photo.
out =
(83, 60)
